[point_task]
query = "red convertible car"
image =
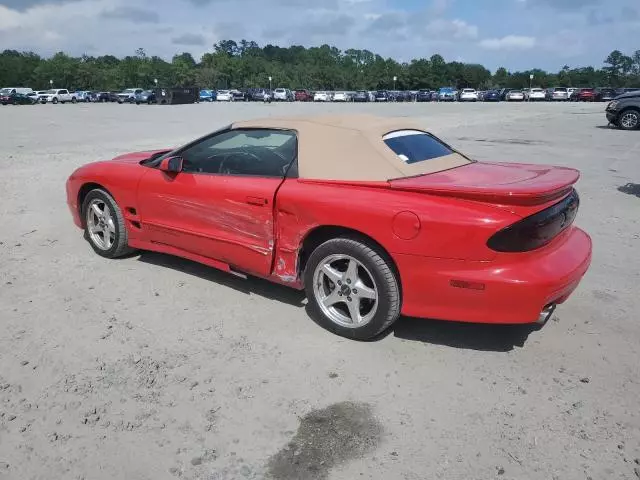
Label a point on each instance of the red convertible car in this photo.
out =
(372, 217)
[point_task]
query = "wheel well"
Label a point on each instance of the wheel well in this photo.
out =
(631, 107)
(319, 235)
(83, 192)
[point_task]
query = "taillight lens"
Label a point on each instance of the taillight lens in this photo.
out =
(538, 229)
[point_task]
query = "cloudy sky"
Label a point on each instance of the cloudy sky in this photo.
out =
(517, 34)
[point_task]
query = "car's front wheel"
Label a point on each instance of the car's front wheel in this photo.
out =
(629, 119)
(104, 225)
(352, 288)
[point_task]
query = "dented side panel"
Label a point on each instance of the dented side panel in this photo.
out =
(406, 223)
(228, 218)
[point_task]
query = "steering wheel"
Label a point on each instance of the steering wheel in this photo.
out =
(226, 169)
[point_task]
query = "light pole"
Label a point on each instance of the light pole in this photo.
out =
(155, 80)
(51, 83)
(270, 83)
(394, 82)
(530, 80)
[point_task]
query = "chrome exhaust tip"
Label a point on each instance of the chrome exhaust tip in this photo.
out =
(546, 314)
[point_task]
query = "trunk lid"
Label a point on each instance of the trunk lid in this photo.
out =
(497, 183)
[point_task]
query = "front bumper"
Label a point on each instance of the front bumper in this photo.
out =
(515, 287)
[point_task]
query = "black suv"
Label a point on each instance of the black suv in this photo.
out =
(624, 111)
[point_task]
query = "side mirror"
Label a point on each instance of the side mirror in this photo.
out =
(171, 165)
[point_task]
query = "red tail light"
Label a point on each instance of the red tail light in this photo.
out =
(537, 230)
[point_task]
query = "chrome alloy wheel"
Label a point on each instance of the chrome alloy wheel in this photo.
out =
(100, 224)
(345, 291)
(629, 120)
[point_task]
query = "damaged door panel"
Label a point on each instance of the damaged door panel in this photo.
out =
(223, 217)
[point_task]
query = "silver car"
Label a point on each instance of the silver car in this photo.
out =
(558, 94)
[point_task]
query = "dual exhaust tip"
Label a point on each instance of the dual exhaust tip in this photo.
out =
(546, 314)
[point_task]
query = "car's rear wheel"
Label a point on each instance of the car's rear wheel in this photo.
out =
(54, 101)
(352, 288)
(104, 225)
(629, 119)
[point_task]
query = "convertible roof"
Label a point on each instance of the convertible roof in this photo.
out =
(350, 147)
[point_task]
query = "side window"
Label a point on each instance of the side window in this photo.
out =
(64, 92)
(252, 152)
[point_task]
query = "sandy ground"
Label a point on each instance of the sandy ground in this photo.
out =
(156, 368)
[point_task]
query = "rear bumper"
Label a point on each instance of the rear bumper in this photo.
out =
(516, 288)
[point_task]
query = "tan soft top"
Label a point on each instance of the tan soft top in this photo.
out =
(350, 147)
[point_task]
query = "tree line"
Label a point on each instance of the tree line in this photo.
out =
(245, 64)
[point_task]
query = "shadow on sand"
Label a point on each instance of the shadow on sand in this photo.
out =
(496, 338)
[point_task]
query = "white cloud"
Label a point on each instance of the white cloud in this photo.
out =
(510, 42)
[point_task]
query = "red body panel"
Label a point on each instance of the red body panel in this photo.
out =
(434, 227)
(223, 217)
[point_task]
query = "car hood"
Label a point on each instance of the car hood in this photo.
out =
(137, 157)
(629, 95)
(499, 183)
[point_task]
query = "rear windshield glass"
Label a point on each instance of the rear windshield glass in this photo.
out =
(413, 146)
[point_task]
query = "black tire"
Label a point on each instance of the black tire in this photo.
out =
(74, 100)
(120, 244)
(54, 101)
(629, 119)
(383, 274)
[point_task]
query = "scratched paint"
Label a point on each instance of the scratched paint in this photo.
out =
(234, 218)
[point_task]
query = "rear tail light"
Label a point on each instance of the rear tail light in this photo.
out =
(537, 230)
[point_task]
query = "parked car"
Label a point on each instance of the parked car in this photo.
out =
(361, 96)
(606, 94)
(282, 95)
(83, 96)
(238, 95)
(447, 94)
(16, 99)
(10, 90)
(491, 96)
(557, 94)
(303, 96)
(147, 96)
(340, 97)
(224, 96)
(102, 97)
(468, 95)
(536, 95)
(624, 111)
(571, 93)
(207, 95)
(322, 96)
(514, 96)
(423, 95)
(58, 95)
(129, 95)
(260, 95)
(507, 250)
(586, 95)
(382, 96)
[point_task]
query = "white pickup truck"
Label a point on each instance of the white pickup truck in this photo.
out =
(56, 95)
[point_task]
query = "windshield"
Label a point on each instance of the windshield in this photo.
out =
(51, 92)
(129, 90)
(5, 91)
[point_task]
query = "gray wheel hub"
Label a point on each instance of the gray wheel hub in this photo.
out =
(345, 291)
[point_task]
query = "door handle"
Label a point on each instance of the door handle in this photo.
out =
(260, 201)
